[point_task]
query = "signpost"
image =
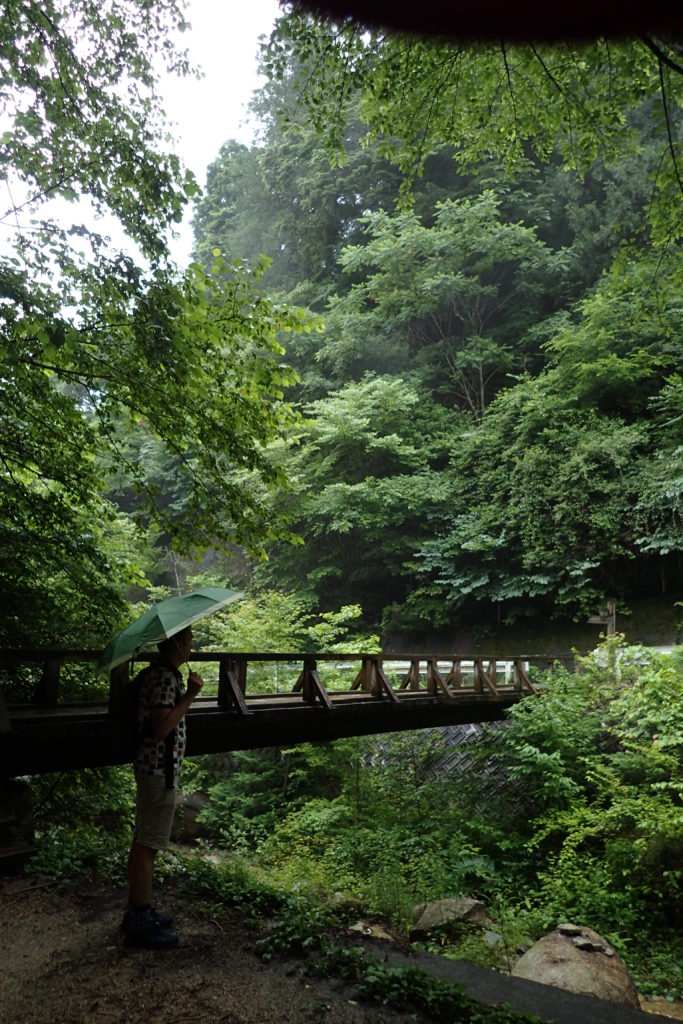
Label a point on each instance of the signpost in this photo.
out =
(607, 617)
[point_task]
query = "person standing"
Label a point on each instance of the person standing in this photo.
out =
(162, 706)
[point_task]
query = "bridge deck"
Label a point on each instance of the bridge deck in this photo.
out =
(45, 735)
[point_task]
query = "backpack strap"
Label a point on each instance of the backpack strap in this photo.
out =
(169, 766)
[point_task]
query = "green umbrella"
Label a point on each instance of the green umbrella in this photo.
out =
(163, 620)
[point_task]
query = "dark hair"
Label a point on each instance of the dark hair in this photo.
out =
(167, 645)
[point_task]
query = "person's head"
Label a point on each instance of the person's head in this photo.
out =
(176, 649)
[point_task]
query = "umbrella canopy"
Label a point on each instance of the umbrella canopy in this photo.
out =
(163, 620)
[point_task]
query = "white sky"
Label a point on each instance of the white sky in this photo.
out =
(205, 113)
(223, 41)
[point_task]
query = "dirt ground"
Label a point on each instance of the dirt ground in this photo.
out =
(63, 962)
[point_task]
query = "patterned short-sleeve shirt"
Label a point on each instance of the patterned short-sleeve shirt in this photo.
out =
(162, 687)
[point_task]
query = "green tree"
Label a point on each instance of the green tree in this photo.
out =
(454, 299)
(365, 473)
(417, 94)
(92, 342)
(573, 487)
(659, 508)
(541, 507)
(538, 514)
(281, 199)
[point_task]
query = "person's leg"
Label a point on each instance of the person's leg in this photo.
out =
(154, 810)
(142, 925)
(140, 874)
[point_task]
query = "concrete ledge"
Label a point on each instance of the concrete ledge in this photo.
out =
(545, 1001)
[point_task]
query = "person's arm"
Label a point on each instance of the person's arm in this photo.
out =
(166, 719)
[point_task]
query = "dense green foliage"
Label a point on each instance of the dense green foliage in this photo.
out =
(481, 302)
(490, 383)
(491, 427)
(571, 811)
(508, 100)
(96, 341)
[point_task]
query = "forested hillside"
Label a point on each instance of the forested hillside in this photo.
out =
(492, 398)
(426, 364)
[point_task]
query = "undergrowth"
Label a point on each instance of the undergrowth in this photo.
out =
(412, 989)
(312, 931)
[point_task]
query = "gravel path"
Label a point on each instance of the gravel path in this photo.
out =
(63, 962)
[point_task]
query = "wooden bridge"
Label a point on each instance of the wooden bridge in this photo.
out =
(252, 700)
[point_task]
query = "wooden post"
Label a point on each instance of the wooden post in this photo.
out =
(412, 676)
(485, 679)
(435, 682)
(310, 685)
(454, 678)
(611, 618)
(606, 617)
(491, 677)
(521, 679)
(479, 676)
(380, 684)
(363, 680)
(232, 683)
(118, 678)
(373, 684)
(372, 679)
(47, 690)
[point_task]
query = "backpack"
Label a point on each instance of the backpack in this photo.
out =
(128, 703)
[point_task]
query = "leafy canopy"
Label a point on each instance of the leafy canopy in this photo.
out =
(453, 299)
(485, 100)
(542, 494)
(95, 341)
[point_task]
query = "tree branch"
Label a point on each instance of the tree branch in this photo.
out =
(661, 56)
(672, 147)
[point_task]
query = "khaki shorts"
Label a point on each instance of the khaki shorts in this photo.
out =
(154, 810)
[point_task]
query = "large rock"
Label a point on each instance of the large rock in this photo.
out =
(442, 914)
(579, 960)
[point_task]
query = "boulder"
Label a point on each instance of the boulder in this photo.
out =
(442, 914)
(578, 960)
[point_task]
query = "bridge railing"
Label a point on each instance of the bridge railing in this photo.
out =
(37, 676)
(232, 677)
(310, 697)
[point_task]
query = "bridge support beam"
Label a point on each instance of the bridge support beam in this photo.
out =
(309, 685)
(232, 685)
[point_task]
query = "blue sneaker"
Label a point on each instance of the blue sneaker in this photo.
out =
(145, 932)
(163, 920)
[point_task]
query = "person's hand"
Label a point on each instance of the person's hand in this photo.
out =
(194, 684)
